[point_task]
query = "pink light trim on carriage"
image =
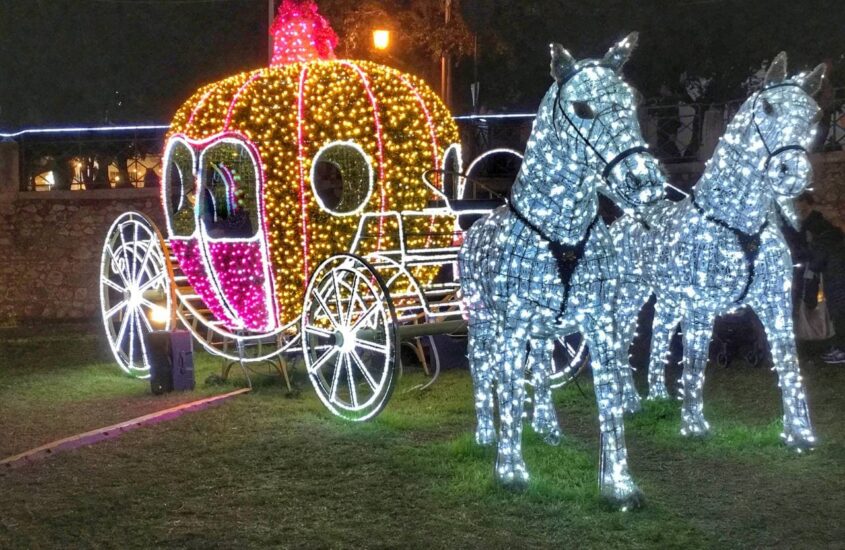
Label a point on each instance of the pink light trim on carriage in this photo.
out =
(250, 80)
(248, 301)
(300, 109)
(191, 261)
(380, 142)
(434, 146)
(200, 105)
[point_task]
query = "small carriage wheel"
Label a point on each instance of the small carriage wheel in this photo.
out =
(350, 337)
(576, 359)
(135, 294)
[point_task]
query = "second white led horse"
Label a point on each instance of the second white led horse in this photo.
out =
(718, 250)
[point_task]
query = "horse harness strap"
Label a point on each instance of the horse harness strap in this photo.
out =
(748, 242)
(567, 256)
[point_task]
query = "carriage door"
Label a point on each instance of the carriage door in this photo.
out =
(230, 209)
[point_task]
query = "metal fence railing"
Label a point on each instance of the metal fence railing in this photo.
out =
(99, 158)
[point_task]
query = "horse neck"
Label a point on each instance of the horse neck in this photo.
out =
(732, 189)
(562, 216)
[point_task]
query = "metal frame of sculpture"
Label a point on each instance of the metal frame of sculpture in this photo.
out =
(543, 265)
(719, 250)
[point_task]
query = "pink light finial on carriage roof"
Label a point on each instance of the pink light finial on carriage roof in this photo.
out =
(300, 33)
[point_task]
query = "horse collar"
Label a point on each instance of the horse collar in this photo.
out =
(749, 243)
(567, 256)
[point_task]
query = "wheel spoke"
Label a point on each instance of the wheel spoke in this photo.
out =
(335, 380)
(120, 305)
(121, 333)
(131, 339)
(364, 370)
(325, 308)
(146, 321)
(156, 278)
(142, 267)
(115, 261)
(350, 381)
(364, 316)
(134, 251)
(322, 360)
(317, 331)
(371, 346)
(113, 285)
(337, 299)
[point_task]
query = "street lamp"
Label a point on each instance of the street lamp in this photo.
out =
(381, 39)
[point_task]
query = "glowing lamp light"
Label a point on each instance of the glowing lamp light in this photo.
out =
(159, 315)
(381, 39)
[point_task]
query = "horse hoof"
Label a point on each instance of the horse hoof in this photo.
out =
(633, 405)
(658, 395)
(800, 443)
(513, 483)
(695, 430)
(553, 437)
(630, 500)
(512, 475)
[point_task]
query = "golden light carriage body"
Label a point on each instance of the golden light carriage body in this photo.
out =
(304, 211)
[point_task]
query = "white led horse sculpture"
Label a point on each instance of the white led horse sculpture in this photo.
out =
(719, 249)
(544, 265)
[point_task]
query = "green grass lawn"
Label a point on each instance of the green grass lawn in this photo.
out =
(271, 469)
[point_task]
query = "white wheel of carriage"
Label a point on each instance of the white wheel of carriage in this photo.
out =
(349, 337)
(135, 293)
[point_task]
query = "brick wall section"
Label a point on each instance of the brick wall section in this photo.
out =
(50, 243)
(50, 246)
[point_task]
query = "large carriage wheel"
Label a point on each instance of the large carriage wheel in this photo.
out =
(349, 337)
(134, 289)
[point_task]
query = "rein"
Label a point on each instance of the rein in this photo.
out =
(567, 256)
(749, 243)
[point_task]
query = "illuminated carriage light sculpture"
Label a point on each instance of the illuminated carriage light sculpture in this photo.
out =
(720, 249)
(544, 265)
(298, 219)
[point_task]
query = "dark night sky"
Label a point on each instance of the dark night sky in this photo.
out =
(61, 61)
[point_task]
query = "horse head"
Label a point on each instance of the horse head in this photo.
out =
(782, 118)
(595, 109)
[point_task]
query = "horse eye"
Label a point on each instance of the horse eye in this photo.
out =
(583, 110)
(767, 108)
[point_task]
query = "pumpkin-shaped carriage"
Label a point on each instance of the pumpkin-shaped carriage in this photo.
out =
(305, 211)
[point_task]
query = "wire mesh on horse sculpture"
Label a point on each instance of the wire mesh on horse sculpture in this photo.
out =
(719, 250)
(543, 265)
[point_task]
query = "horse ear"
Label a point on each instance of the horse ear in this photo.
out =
(562, 62)
(812, 83)
(621, 52)
(777, 70)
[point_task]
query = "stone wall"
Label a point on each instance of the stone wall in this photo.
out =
(50, 246)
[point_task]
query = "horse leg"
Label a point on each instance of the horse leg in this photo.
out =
(510, 384)
(481, 364)
(698, 330)
(544, 420)
(615, 481)
(662, 331)
(628, 304)
(776, 316)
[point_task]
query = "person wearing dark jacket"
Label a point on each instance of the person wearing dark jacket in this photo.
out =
(821, 248)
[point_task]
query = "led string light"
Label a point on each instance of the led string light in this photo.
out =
(715, 252)
(516, 263)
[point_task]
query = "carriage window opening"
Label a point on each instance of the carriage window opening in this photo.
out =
(341, 178)
(180, 192)
(228, 201)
